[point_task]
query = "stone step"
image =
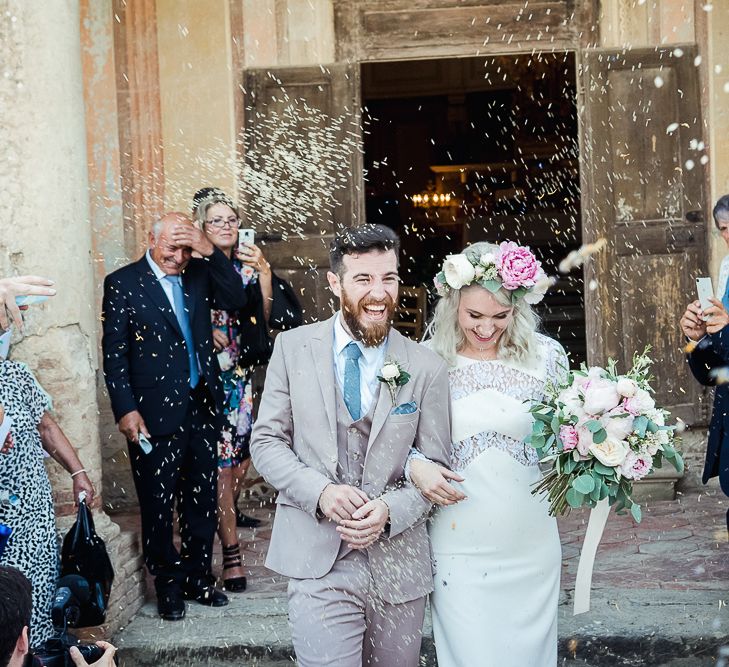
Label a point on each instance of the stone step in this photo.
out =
(625, 628)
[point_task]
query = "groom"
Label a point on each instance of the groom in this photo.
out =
(349, 530)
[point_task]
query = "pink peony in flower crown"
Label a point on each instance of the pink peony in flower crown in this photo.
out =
(513, 267)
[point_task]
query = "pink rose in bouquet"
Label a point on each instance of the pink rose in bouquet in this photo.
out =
(517, 266)
(568, 436)
(601, 395)
(636, 466)
(640, 403)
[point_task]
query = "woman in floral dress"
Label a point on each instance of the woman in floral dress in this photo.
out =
(215, 213)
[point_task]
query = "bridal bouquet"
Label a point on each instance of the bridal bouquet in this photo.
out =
(601, 431)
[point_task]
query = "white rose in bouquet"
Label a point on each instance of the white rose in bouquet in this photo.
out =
(617, 427)
(657, 417)
(572, 401)
(640, 404)
(458, 271)
(627, 387)
(636, 466)
(610, 452)
(601, 395)
(389, 372)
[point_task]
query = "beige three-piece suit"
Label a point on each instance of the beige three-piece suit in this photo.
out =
(349, 608)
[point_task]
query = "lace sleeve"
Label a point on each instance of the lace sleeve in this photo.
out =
(558, 364)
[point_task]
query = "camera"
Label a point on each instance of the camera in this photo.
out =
(72, 593)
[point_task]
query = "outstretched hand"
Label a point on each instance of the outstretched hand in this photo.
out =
(717, 316)
(20, 286)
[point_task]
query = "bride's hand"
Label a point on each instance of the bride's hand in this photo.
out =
(431, 480)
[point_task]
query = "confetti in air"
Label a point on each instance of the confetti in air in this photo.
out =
(578, 257)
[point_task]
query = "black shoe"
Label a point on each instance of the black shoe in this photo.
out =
(170, 604)
(207, 595)
(245, 521)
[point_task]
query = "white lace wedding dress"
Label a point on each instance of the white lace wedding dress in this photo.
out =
(497, 553)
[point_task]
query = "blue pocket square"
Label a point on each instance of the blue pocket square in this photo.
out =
(405, 408)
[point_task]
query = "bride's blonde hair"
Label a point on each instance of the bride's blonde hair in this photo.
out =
(446, 336)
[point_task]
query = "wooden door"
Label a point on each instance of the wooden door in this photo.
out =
(642, 190)
(302, 169)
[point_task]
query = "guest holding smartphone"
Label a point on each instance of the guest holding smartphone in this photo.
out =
(242, 341)
(708, 358)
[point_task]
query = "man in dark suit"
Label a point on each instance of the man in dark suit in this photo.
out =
(164, 383)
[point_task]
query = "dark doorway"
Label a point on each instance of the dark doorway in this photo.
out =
(477, 149)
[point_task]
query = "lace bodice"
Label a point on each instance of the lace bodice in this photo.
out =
(497, 394)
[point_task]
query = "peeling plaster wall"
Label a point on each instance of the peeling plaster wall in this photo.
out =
(46, 222)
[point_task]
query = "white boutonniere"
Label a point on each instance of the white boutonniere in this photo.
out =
(393, 375)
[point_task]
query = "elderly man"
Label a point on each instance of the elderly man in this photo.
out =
(164, 384)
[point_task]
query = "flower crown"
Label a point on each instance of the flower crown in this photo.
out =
(513, 267)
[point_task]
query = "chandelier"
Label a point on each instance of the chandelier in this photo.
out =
(433, 200)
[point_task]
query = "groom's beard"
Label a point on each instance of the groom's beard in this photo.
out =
(371, 334)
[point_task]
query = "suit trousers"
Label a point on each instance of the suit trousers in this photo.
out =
(339, 620)
(181, 471)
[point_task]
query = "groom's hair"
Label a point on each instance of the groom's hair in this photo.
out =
(358, 240)
(15, 607)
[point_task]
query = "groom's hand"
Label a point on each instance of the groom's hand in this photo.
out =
(339, 502)
(366, 524)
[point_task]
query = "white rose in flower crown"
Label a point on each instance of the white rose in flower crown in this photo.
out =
(610, 452)
(487, 259)
(458, 271)
(627, 387)
(390, 372)
(479, 271)
(601, 395)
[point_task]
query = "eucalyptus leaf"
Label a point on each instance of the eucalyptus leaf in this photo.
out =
(602, 468)
(593, 425)
(584, 484)
(640, 424)
(599, 436)
(569, 465)
(574, 498)
(492, 286)
(636, 512)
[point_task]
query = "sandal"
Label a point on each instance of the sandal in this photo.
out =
(231, 559)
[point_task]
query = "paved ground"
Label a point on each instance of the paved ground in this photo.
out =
(660, 596)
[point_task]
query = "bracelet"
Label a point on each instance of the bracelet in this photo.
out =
(78, 472)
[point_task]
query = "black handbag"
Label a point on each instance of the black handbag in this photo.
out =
(84, 553)
(255, 342)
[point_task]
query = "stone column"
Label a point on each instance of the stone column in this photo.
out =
(46, 209)
(47, 230)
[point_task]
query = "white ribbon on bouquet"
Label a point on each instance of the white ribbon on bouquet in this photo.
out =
(593, 535)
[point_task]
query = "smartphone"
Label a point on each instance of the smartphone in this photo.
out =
(144, 443)
(29, 300)
(245, 236)
(705, 291)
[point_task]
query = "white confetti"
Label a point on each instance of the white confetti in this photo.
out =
(658, 82)
(689, 164)
(671, 128)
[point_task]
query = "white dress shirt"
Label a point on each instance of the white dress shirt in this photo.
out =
(165, 284)
(167, 287)
(370, 364)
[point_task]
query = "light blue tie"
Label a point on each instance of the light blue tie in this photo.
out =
(183, 318)
(352, 397)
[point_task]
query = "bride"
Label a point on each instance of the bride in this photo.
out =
(497, 552)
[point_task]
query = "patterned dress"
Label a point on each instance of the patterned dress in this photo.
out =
(233, 445)
(32, 547)
(497, 553)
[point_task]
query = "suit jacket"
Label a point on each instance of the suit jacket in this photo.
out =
(294, 446)
(712, 352)
(146, 366)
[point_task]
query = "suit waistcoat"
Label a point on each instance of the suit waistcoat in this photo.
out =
(352, 441)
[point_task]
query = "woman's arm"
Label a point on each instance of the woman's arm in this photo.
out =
(57, 445)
